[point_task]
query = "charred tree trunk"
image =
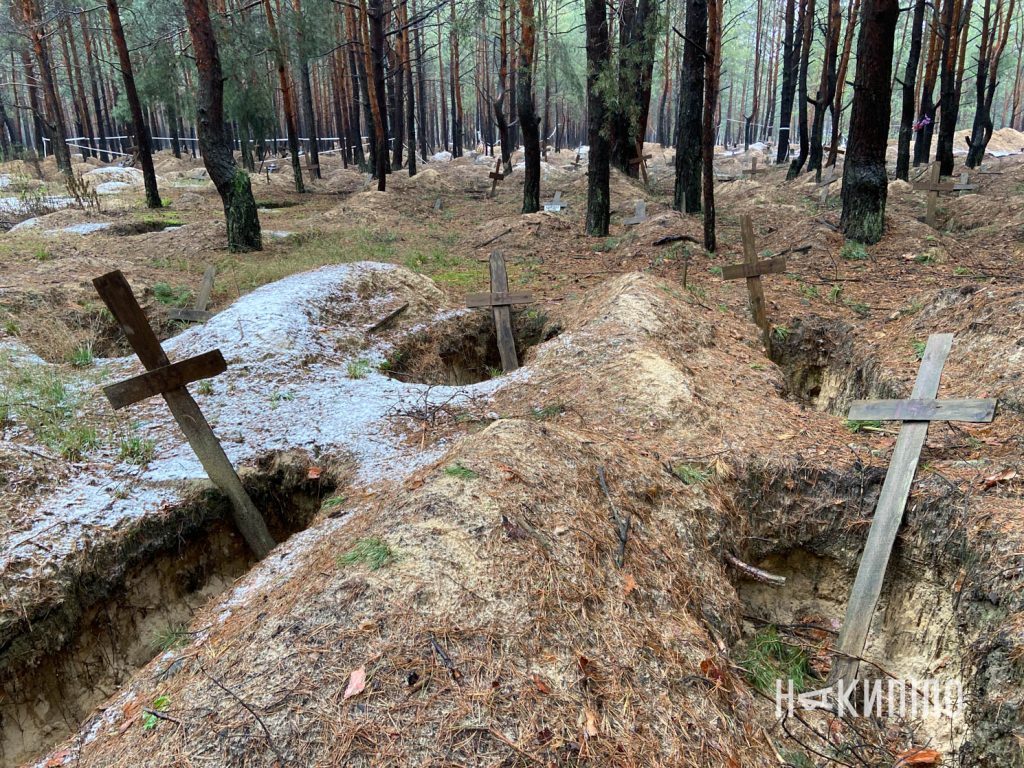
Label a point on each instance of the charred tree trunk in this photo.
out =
(852, 16)
(142, 141)
(712, 72)
(790, 57)
(926, 111)
(499, 111)
(807, 31)
(232, 184)
(955, 16)
(909, 86)
(637, 45)
(826, 87)
(748, 123)
(378, 97)
(599, 161)
(865, 182)
(456, 86)
(691, 102)
(529, 122)
(988, 69)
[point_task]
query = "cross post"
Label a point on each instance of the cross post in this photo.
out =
(500, 300)
(753, 170)
(170, 380)
(964, 185)
(752, 269)
(198, 313)
(556, 203)
(915, 413)
(641, 160)
(933, 186)
(497, 176)
(639, 214)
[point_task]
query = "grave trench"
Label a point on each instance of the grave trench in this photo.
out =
(131, 600)
(463, 349)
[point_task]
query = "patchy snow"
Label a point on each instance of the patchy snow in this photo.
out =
(279, 233)
(115, 173)
(19, 205)
(81, 229)
(112, 187)
(441, 157)
(287, 386)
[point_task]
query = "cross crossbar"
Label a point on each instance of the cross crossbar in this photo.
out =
(556, 203)
(892, 499)
(164, 379)
(498, 299)
(774, 265)
(975, 411)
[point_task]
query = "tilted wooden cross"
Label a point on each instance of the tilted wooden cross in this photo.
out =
(753, 170)
(933, 186)
(497, 176)
(500, 300)
(639, 214)
(964, 185)
(915, 413)
(826, 183)
(752, 269)
(169, 380)
(556, 203)
(640, 160)
(198, 313)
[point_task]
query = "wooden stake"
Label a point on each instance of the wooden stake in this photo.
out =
(889, 511)
(113, 288)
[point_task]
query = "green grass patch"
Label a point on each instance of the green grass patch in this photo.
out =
(853, 251)
(136, 450)
(357, 369)
(459, 471)
(170, 296)
(691, 474)
(918, 347)
(372, 552)
(856, 426)
(769, 658)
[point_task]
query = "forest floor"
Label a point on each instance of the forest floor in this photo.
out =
(450, 592)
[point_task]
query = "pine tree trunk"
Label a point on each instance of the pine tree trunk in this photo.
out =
(135, 107)
(499, 112)
(790, 57)
(308, 113)
(852, 16)
(807, 30)
(865, 183)
(955, 16)
(54, 111)
(599, 159)
(456, 86)
(378, 101)
(909, 86)
(287, 97)
(712, 72)
(232, 184)
(826, 87)
(529, 123)
(926, 110)
(687, 193)
(637, 46)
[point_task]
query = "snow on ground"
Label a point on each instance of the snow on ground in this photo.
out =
(287, 386)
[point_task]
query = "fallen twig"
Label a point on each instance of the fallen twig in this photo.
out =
(250, 710)
(754, 573)
(622, 523)
(491, 240)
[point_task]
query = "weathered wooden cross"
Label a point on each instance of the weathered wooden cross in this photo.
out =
(933, 186)
(500, 300)
(752, 269)
(556, 203)
(639, 214)
(198, 313)
(964, 185)
(915, 413)
(496, 175)
(641, 160)
(826, 183)
(169, 380)
(438, 204)
(753, 170)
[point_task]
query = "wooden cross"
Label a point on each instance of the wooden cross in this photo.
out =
(556, 203)
(932, 187)
(576, 163)
(438, 204)
(497, 176)
(964, 185)
(641, 160)
(639, 214)
(500, 300)
(826, 182)
(915, 415)
(752, 269)
(198, 313)
(170, 380)
(753, 170)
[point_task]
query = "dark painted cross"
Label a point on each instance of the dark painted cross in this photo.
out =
(933, 186)
(198, 313)
(170, 380)
(915, 413)
(496, 175)
(752, 269)
(501, 300)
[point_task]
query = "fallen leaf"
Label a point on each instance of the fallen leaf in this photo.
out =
(313, 473)
(918, 757)
(356, 683)
(628, 584)
(710, 670)
(592, 729)
(57, 758)
(999, 477)
(541, 685)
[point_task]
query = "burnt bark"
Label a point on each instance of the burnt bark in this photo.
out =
(598, 123)
(637, 45)
(865, 183)
(909, 85)
(691, 102)
(712, 73)
(807, 34)
(790, 57)
(233, 185)
(529, 122)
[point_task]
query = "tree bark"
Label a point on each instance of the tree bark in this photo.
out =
(378, 96)
(637, 46)
(691, 102)
(599, 160)
(926, 110)
(865, 183)
(807, 31)
(54, 112)
(529, 122)
(232, 184)
(287, 97)
(308, 113)
(986, 80)
(712, 72)
(956, 13)
(826, 87)
(142, 141)
(790, 57)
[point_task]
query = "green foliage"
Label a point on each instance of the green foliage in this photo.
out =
(42, 253)
(373, 552)
(691, 474)
(810, 291)
(82, 357)
(860, 426)
(357, 369)
(547, 411)
(769, 658)
(715, 271)
(853, 251)
(170, 638)
(924, 258)
(133, 449)
(459, 471)
(919, 347)
(171, 297)
(835, 294)
(150, 720)
(205, 387)
(281, 396)
(780, 332)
